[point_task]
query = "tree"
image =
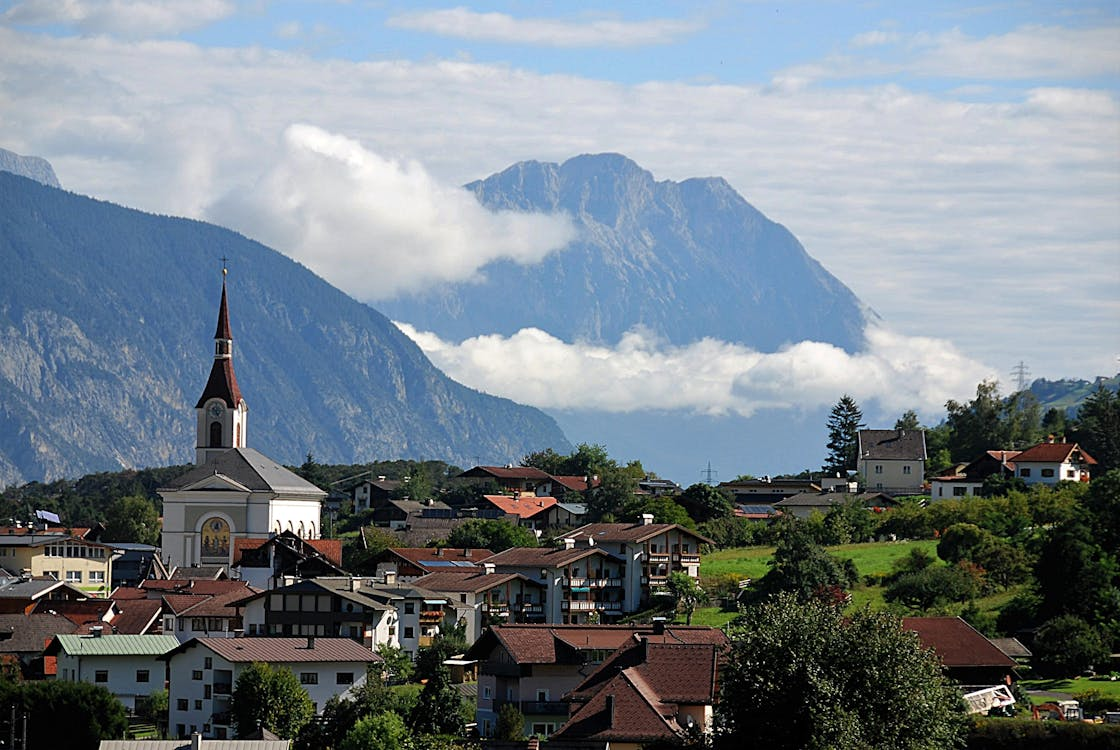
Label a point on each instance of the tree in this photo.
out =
(664, 509)
(803, 568)
(1102, 502)
(704, 502)
(908, 421)
(960, 541)
(269, 697)
(1066, 646)
(74, 715)
(1098, 427)
(805, 675)
(1076, 576)
(686, 593)
(416, 486)
(511, 723)
(547, 460)
(989, 421)
(396, 663)
(935, 585)
(608, 498)
(440, 707)
(492, 534)
(384, 731)
(450, 642)
(132, 519)
(844, 424)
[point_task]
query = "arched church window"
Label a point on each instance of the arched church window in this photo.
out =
(215, 434)
(301, 530)
(313, 535)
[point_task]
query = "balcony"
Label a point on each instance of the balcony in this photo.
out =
(530, 608)
(544, 708)
(687, 558)
(223, 719)
(597, 583)
(657, 557)
(431, 615)
(585, 606)
(223, 688)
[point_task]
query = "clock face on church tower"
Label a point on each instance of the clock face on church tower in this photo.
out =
(216, 410)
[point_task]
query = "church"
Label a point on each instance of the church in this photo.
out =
(234, 492)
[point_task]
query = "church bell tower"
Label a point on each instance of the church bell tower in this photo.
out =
(222, 412)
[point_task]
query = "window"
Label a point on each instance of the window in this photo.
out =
(97, 576)
(197, 705)
(141, 675)
(408, 632)
(344, 678)
(1071, 473)
(542, 696)
(51, 574)
(182, 704)
(73, 576)
(208, 662)
(543, 729)
(463, 598)
(101, 675)
(1047, 472)
(960, 491)
(215, 434)
(196, 674)
(878, 468)
(486, 692)
(207, 691)
(1024, 472)
(905, 469)
(309, 678)
(410, 608)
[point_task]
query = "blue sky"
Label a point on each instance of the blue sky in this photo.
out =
(956, 164)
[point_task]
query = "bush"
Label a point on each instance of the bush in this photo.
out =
(1015, 734)
(1067, 645)
(1094, 702)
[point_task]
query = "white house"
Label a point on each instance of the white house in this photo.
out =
(893, 461)
(128, 666)
(203, 673)
(1050, 463)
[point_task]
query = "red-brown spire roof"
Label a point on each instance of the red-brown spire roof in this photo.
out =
(222, 383)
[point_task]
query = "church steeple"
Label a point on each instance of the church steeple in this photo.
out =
(221, 409)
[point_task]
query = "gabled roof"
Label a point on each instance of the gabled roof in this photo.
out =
(629, 532)
(33, 588)
(1055, 453)
(112, 645)
(828, 499)
(957, 643)
(79, 611)
(522, 506)
(217, 605)
(553, 644)
(281, 650)
(201, 572)
(626, 709)
(542, 557)
(329, 550)
(136, 616)
(505, 472)
(28, 634)
(892, 445)
(575, 484)
(440, 558)
(190, 586)
(251, 469)
(472, 581)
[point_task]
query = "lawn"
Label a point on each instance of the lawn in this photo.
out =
(871, 558)
(1107, 688)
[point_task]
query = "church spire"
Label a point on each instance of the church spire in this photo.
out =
(221, 409)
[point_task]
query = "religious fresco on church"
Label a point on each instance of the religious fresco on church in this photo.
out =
(215, 538)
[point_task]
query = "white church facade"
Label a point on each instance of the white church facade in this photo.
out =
(233, 492)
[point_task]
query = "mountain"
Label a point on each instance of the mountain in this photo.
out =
(31, 167)
(106, 339)
(1067, 395)
(686, 260)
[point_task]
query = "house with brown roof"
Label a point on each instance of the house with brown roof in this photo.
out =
(966, 655)
(23, 638)
(512, 479)
(484, 597)
(209, 615)
(647, 551)
(266, 562)
(807, 503)
(203, 671)
(412, 562)
(530, 511)
(892, 461)
(581, 584)
(1052, 462)
(766, 491)
(22, 595)
(656, 688)
(535, 666)
(967, 480)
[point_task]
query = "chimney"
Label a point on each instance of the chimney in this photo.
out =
(439, 551)
(196, 740)
(569, 543)
(488, 568)
(466, 552)
(610, 711)
(310, 642)
(390, 577)
(95, 631)
(659, 626)
(647, 519)
(355, 583)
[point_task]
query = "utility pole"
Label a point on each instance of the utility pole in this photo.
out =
(1022, 375)
(709, 473)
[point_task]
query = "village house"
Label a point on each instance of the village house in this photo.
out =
(892, 461)
(967, 480)
(54, 553)
(484, 597)
(1052, 462)
(409, 563)
(265, 562)
(766, 491)
(808, 503)
(128, 666)
(203, 671)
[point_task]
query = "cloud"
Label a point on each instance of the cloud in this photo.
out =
(125, 18)
(375, 226)
(707, 377)
(499, 27)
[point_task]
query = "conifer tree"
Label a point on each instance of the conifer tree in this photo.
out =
(844, 424)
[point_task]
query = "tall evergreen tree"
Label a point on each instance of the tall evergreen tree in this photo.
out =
(1098, 428)
(844, 424)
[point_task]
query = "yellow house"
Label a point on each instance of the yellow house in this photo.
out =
(82, 563)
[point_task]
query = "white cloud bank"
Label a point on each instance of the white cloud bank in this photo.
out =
(374, 226)
(126, 18)
(707, 377)
(463, 23)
